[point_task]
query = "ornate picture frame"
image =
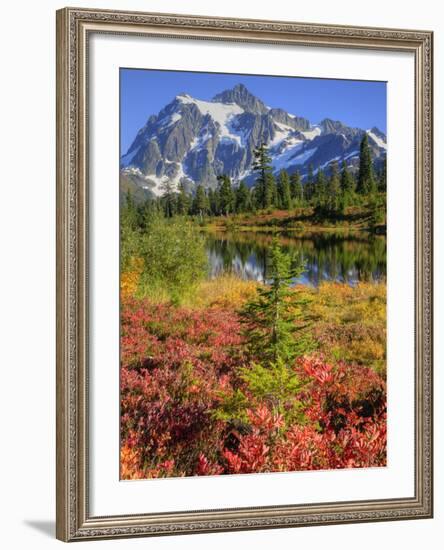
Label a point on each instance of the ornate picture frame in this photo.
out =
(74, 30)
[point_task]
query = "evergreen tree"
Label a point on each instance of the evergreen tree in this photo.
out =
(148, 211)
(320, 191)
(264, 191)
(200, 202)
(334, 199)
(213, 202)
(297, 191)
(284, 191)
(382, 180)
(348, 184)
(226, 195)
(309, 184)
(274, 316)
(242, 198)
(271, 194)
(169, 198)
(366, 178)
(183, 201)
(377, 207)
(129, 215)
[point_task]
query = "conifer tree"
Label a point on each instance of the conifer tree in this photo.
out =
(271, 192)
(129, 214)
(264, 182)
(169, 198)
(284, 192)
(271, 318)
(200, 202)
(348, 184)
(382, 180)
(334, 190)
(213, 202)
(149, 211)
(183, 201)
(226, 195)
(297, 191)
(366, 178)
(242, 197)
(320, 190)
(310, 183)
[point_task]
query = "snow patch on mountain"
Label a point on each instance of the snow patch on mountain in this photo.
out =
(219, 112)
(303, 157)
(311, 134)
(379, 142)
(282, 133)
(242, 133)
(156, 184)
(200, 140)
(169, 120)
(291, 156)
(351, 155)
(160, 183)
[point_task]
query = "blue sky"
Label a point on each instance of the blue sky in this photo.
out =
(354, 102)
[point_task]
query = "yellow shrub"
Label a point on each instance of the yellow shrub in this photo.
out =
(129, 280)
(349, 323)
(225, 291)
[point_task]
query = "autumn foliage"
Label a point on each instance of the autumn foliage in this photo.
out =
(194, 400)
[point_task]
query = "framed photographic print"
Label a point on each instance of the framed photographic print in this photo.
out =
(244, 318)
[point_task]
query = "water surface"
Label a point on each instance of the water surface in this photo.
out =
(346, 258)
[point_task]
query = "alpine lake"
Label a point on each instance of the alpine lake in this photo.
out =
(340, 257)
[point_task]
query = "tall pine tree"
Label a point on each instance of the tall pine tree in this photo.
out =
(334, 190)
(200, 202)
(284, 192)
(320, 191)
(183, 201)
(263, 189)
(309, 183)
(297, 191)
(348, 184)
(271, 191)
(214, 201)
(382, 179)
(169, 198)
(129, 215)
(242, 197)
(226, 195)
(366, 178)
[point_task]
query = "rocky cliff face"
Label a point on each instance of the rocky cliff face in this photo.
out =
(192, 141)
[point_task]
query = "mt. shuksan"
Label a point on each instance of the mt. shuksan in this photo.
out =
(192, 141)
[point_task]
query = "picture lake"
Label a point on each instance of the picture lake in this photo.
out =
(327, 257)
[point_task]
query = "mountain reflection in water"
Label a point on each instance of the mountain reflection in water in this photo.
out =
(327, 257)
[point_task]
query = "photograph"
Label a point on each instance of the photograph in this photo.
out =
(253, 266)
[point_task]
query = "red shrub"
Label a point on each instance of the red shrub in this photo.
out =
(174, 364)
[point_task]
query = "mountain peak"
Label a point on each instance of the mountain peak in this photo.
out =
(375, 130)
(191, 141)
(329, 125)
(240, 95)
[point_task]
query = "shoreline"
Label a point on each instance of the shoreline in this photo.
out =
(279, 221)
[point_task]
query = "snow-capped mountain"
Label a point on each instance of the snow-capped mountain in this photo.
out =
(193, 141)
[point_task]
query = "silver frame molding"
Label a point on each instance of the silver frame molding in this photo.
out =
(73, 28)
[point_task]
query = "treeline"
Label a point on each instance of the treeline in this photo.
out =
(329, 191)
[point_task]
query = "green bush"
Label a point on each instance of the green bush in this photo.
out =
(173, 255)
